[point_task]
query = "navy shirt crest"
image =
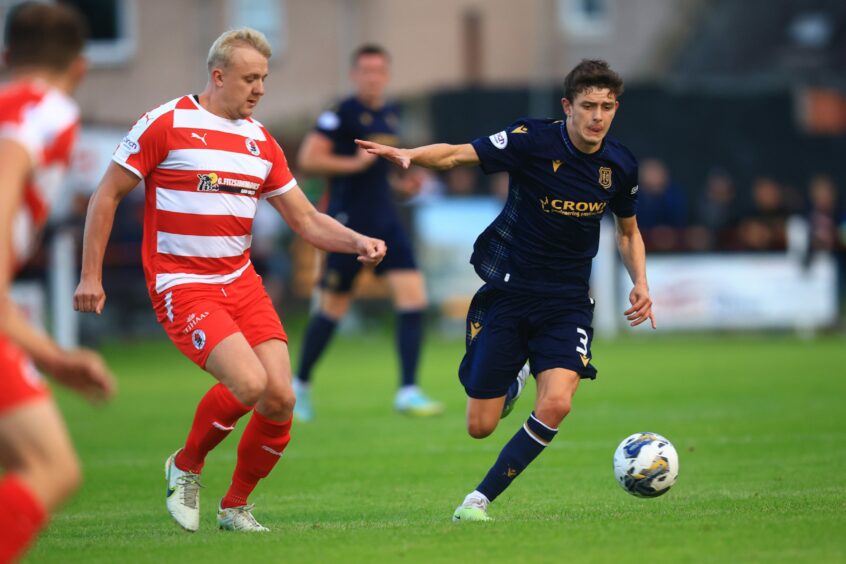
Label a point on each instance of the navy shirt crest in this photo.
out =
(547, 234)
(363, 199)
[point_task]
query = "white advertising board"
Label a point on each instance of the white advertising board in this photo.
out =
(739, 291)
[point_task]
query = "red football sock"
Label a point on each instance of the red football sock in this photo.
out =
(21, 517)
(216, 416)
(261, 445)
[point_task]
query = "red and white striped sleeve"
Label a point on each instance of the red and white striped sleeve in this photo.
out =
(280, 179)
(146, 144)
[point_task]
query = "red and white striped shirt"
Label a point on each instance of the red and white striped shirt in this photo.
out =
(204, 176)
(45, 121)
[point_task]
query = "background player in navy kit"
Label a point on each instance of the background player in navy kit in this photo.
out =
(360, 198)
(535, 259)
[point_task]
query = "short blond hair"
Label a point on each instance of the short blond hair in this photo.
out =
(220, 53)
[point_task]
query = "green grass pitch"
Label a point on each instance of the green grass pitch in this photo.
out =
(759, 423)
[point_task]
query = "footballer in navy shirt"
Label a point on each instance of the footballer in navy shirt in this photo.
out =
(535, 259)
(360, 196)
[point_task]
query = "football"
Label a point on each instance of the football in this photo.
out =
(646, 465)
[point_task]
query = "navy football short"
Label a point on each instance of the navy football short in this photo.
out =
(505, 328)
(341, 268)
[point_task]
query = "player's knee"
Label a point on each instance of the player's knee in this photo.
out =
(57, 477)
(552, 410)
(479, 428)
(335, 307)
(68, 477)
(251, 386)
(279, 405)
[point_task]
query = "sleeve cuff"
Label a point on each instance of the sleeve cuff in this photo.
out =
(127, 166)
(279, 191)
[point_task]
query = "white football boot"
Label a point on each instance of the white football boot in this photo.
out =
(239, 519)
(183, 495)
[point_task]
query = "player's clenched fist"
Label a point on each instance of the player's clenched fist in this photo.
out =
(89, 296)
(371, 251)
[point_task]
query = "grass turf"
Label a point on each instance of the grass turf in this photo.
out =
(759, 423)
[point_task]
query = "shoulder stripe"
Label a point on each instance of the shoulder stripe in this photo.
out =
(149, 118)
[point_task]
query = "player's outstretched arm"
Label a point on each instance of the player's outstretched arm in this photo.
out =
(15, 166)
(115, 185)
(323, 231)
(633, 252)
(316, 156)
(440, 156)
(81, 370)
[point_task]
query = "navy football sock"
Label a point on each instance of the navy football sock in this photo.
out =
(409, 337)
(523, 447)
(318, 334)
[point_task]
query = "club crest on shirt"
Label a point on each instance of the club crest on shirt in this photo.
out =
(252, 146)
(605, 177)
(198, 337)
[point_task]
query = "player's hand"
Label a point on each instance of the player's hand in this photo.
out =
(364, 160)
(371, 251)
(641, 309)
(400, 157)
(84, 372)
(89, 296)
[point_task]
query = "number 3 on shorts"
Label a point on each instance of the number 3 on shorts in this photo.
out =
(583, 340)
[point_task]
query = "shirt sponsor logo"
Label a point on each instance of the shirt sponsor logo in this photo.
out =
(130, 146)
(193, 320)
(499, 140)
(213, 182)
(572, 208)
(252, 147)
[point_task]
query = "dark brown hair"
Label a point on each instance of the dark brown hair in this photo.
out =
(44, 35)
(369, 49)
(592, 73)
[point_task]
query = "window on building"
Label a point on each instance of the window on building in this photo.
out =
(584, 18)
(112, 27)
(266, 16)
